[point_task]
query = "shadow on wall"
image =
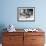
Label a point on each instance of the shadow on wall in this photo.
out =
(2, 26)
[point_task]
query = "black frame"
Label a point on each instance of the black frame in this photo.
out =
(19, 9)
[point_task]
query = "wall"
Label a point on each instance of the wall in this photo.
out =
(9, 13)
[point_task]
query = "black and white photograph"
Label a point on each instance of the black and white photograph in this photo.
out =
(26, 13)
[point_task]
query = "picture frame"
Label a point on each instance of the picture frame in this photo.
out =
(25, 14)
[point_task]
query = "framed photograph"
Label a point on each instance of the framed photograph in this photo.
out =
(26, 14)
